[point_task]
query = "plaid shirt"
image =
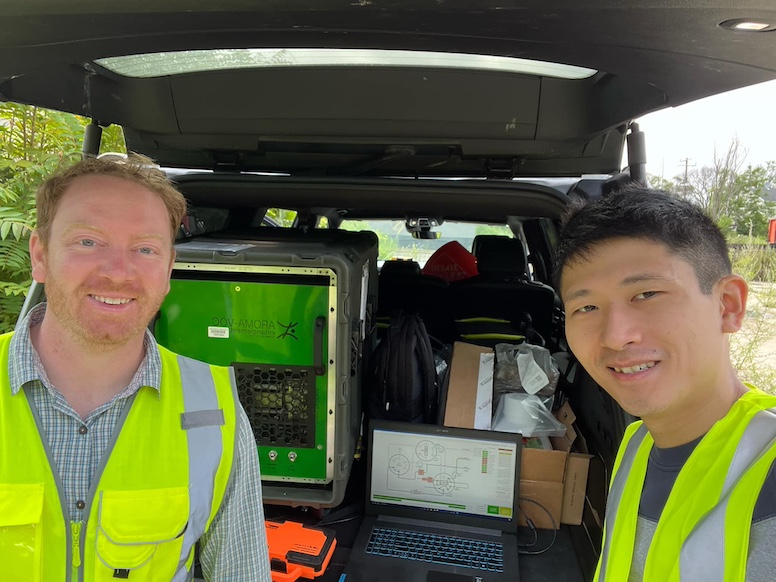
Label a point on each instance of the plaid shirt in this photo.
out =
(235, 546)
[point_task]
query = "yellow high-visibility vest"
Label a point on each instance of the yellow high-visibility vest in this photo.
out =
(158, 487)
(703, 530)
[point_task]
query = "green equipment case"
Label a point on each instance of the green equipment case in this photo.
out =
(291, 312)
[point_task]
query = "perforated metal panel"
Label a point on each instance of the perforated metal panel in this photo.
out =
(290, 312)
(279, 402)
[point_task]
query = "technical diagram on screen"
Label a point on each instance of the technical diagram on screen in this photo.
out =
(448, 473)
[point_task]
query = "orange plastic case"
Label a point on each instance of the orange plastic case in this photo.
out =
(298, 551)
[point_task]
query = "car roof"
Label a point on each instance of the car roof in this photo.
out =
(390, 119)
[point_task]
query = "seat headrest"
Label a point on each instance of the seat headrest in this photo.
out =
(500, 255)
(400, 268)
(477, 242)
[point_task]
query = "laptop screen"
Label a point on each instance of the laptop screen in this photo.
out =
(444, 474)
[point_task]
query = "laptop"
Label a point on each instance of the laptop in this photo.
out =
(441, 506)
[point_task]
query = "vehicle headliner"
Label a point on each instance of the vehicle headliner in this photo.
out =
(367, 121)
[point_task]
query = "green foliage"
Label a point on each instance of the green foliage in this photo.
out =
(754, 263)
(284, 218)
(112, 140)
(753, 348)
(388, 246)
(34, 143)
(734, 238)
(497, 229)
(388, 242)
(660, 183)
(11, 301)
(728, 227)
(748, 208)
(732, 194)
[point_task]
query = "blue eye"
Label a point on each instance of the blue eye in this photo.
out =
(86, 242)
(146, 250)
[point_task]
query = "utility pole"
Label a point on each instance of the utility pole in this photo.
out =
(687, 166)
(686, 162)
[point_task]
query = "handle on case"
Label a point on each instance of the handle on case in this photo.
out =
(286, 576)
(318, 335)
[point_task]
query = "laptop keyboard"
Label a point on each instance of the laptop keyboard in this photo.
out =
(436, 549)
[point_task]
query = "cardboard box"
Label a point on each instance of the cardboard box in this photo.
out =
(556, 479)
(469, 402)
(577, 468)
(541, 482)
(574, 487)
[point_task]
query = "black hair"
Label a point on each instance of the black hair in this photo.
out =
(636, 212)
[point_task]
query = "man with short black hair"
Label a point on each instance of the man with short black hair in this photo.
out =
(650, 300)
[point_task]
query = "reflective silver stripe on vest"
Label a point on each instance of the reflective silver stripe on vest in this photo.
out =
(614, 499)
(703, 552)
(205, 448)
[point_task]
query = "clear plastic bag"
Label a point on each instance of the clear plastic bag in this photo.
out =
(526, 414)
(525, 368)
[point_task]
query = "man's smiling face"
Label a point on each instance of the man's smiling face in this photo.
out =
(639, 323)
(107, 264)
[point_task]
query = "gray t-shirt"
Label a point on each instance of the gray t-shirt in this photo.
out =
(663, 467)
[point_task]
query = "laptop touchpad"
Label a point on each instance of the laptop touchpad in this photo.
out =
(437, 576)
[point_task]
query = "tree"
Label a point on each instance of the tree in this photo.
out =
(714, 187)
(34, 142)
(660, 183)
(748, 209)
(732, 195)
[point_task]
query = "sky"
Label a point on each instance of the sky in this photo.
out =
(695, 129)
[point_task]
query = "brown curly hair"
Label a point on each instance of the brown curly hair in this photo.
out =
(134, 168)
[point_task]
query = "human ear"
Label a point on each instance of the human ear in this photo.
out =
(37, 257)
(733, 292)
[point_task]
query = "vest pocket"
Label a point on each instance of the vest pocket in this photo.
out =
(140, 533)
(21, 531)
